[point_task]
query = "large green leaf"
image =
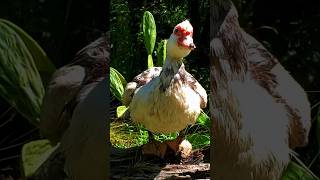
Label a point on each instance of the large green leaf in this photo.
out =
(42, 61)
(20, 82)
(117, 83)
(161, 53)
(199, 140)
(149, 34)
(34, 154)
(122, 79)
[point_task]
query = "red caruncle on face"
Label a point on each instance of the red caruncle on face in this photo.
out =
(182, 35)
(180, 31)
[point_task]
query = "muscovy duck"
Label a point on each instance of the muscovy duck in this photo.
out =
(167, 99)
(259, 111)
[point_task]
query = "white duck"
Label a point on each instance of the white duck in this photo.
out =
(167, 99)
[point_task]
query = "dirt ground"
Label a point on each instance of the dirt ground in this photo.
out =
(131, 164)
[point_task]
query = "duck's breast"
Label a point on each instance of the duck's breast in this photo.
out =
(165, 111)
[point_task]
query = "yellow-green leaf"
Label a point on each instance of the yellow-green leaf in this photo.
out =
(149, 34)
(149, 31)
(34, 154)
(122, 79)
(161, 53)
(150, 61)
(121, 110)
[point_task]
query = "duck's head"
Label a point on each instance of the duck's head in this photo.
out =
(180, 43)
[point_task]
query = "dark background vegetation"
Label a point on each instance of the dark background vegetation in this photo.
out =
(288, 28)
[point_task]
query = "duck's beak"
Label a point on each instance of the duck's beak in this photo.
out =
(192, 46)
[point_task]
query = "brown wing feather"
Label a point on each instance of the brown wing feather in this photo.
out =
(196, 86)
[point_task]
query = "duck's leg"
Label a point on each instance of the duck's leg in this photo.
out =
(174, 144)
(154, 147)
(178, 145)
(182, 135)
(150, 136)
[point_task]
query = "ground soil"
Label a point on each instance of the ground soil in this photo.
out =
(132, 164)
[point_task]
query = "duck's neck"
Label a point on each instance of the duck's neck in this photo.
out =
(173, 64)
(169, 70)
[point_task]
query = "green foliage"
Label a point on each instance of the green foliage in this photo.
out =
(122, 53)
(34, 154)
(149, 34)
(41, 60)
(117, 83)
(165, 137)
(21, 60)
(20, 81)
(199, 140)
(121, 110)
(127, 135)
(150, 61)
(204, 119)
(294, 172)
(169, 13)
(199, 134)
(161, 53)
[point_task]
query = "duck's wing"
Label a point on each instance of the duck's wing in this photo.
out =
(292, 95)
(196, 86)
(271, 75)
(138, 81)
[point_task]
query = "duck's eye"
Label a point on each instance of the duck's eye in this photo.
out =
(176, 31)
